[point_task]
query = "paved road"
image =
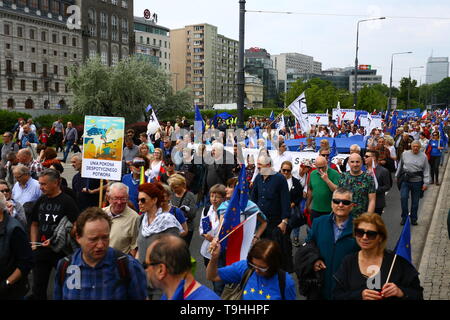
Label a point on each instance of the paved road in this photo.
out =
(391, 216)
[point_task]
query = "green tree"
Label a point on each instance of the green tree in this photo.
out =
(371, 98)
(443, 91)
(123, 90)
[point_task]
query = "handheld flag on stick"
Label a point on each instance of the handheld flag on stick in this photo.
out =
(272, 116)
(142, 178)
(403, 247)
(153, 123)
(299, 109)
(199, 125)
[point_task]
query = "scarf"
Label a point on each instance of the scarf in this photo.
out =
(162, 222)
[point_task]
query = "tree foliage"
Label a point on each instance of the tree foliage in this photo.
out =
(123, 90)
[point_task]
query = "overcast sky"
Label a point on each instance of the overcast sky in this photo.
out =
(329, 37)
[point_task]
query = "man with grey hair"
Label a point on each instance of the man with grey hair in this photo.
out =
(48, 211)
(25, 157)
(125, 221)
(8, 146)
(333, 236)
(413, 172)
(26, 189)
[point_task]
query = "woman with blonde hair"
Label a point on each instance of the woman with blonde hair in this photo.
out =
(364, 275)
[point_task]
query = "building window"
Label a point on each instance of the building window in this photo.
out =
(57, 86)
(74, 42)
(33, 67)
(44, 70)
(55, 70)
(20, 32)
(74, 55)
(46, 86)
(64, 40)
(54, 38)
(34, 4)
(8, 66)
(114, 2)
(104, 56)
(21, 66)
(22, 85)
(115, 58)
(44, 5)
(43, 36)
(32, 34)
(124, 3)
(66, 88)
(66, 71)
(6, 30)
(34, 85)
(20, 48)
(65, 54)
(44, 51)
(22, 3)
(55, 53)
(10, 84)
(8, 46)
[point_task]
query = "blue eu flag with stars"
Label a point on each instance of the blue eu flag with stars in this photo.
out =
(238, 203)
(403, 247)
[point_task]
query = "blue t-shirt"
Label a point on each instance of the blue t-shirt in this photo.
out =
(435, 152)
(201, 293)
(178, 214)
(257, 287)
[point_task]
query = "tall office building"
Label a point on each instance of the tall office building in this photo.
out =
(205, 61)
(153, 42)
(258, 63)
(36, 51)
(437, 69)
(296, 63)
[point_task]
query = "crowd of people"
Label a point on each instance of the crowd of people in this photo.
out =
(135, 242)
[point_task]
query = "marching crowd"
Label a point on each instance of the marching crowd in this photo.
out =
(134, 242)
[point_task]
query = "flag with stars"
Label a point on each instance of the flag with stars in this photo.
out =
(236, 246)
(403, 247)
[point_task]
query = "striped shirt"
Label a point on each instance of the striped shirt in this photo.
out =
(102, 282)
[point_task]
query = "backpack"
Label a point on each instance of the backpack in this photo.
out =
(121, 262)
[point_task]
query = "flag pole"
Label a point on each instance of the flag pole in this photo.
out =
(211, 249)
(390, 271)
(100, 198)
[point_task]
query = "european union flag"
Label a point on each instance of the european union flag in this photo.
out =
(199, 124)
(238, 203)
(206, 224)
(149, 107)
(333, 152)
(357, 121)
(393, 125)
(272, 116)
(442, 134)
(403, 247)
(216, 120)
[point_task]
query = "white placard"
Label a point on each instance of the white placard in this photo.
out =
(318, 118)
(347, 114)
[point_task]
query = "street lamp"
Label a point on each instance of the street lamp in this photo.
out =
(409, 84)
(390, 84)
(355, 96)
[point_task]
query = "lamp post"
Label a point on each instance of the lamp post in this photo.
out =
(240, 75)
(409, 83)
(390, 83)
(355, 96)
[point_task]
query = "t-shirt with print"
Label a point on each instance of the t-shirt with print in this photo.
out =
(361, 186)
(48, 212)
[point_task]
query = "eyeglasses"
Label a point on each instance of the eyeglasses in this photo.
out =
(286, 170)
(5, 190)
(256, 267)
(142, 200)
(120, 199)
(344, 202)
(371, 235)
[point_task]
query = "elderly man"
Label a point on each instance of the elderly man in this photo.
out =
(125, 221)
(26, 189)
(361, 184)
(103, 273)
(70, 138)
(414, 173)
(281, 156)
(28, 137)
(8, 146)
(322, 183)
(333, 236)
(25, 157)
(271, 194)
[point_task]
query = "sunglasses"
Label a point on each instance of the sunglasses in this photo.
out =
(256, 267)
(366, 156)
(344, 202)
(142, 200)
(286, 170)
(5, 190)
(371, 235)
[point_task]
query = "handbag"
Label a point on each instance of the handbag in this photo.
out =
(234, 291)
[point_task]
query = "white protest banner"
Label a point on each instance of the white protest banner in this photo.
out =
(103, 147)
(347, 114)
(318, 118)
(377, 122)
(363, 120)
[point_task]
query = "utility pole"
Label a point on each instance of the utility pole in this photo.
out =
(240, 75)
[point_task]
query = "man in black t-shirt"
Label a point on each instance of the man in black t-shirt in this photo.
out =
(47, 213)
